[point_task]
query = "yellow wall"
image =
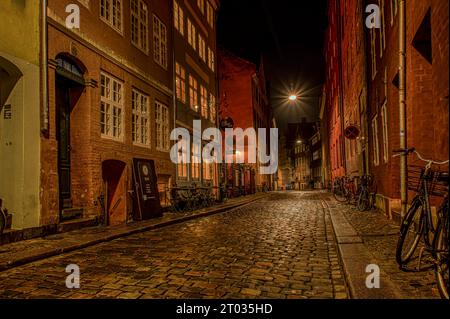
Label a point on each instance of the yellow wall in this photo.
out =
(19, 29)
(20, 135)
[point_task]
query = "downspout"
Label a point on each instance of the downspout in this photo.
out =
(341, 84)
(174, 89)
(402, 105)
(44, 69)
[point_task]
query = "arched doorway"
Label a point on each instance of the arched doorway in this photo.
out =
(115, 178)
(9, 75)
(69, 87)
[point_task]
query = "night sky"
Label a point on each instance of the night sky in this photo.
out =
(290, 35)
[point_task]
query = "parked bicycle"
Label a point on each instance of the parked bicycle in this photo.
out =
(364, 195)
(418, 222)
(345, 190)
(3, 217)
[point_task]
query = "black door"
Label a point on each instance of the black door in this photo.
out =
(63, 87)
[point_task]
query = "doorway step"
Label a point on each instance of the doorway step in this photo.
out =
(72, 213)
(76, 224)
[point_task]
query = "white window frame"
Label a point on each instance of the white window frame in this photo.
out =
(384, 118)
(111, 107)
(159, 42)
(109, 12)
(178, 18)
(376, 144)
(373, 41)
(180, 73)
(162, 128)
(383, 27)
(140, 121)
(140, 40)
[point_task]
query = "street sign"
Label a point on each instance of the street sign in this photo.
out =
(352, 132)
(227, 122)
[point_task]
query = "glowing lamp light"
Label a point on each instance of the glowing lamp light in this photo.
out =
(293, 98)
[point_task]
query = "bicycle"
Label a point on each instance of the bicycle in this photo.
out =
(418, 222)
(340, 191)
(364, 195)
(3, 217)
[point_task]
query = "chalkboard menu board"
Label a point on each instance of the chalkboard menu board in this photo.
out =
(147, 203)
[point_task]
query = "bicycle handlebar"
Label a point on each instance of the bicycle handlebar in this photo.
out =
(413, 150)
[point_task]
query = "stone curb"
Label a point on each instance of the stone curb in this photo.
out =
(52, 252)
(355, 258)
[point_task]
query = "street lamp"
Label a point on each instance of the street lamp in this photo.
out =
(293, 97)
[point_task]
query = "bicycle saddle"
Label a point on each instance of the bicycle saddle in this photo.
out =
(443, 178)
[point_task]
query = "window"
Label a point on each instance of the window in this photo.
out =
(204, 101)
(159, 42)
(376, 147)
(180, 82)
(162, 127)
(211, 60)
(394, 10)
(201, 6)
(208, 171)
(196, 161)
(182, 168)
(210, 14)
(382, 29)
(193, 93)
(191, 34)
(111, 13)
(385, 133)
(139, 24)
(178, 17)
(373, 36)
(111, 107)
(212, 107)
(140, 122)
(202, 48)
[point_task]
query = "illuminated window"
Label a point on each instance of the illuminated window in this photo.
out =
(192, 34)
(201, 6)
(140, 119)
(212, 108)
(193, 93)
(178, 17)
(210, 14)
(180, 82)
(211, 60)
(204, 101)
(196, 161)
(202, 48)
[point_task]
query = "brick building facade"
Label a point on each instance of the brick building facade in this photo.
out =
(426, 91)
(110, 96)
(196, 83)
(333, 110)
(244, 100)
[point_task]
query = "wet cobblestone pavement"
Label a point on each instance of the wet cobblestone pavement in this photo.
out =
(275, 248)
(380, 235)
(280, 247)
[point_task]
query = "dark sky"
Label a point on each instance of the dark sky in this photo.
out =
(290, 35)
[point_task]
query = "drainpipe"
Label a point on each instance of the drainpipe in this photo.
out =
(44, 69)
(402, 105)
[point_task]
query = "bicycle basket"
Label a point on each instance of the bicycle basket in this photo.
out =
(415, 177)
(438, 187)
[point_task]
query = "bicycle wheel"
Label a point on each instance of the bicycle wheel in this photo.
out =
(2, 222)
(363, 200)
(442, 259)
(410, 233)
(340, 194)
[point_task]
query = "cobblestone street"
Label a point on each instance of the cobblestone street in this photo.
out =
(282, 246)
